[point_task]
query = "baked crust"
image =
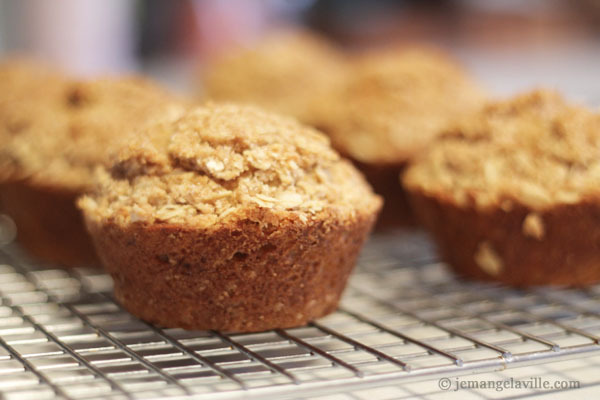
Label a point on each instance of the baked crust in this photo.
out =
(495, 245)
(48, 223)
(249, 276)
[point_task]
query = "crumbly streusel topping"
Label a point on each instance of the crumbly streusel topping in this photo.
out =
(534, 149)
(395, 102)
(218, 161)
(284, 73)
(61, 140)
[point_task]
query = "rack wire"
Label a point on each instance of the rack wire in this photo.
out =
(403, 318)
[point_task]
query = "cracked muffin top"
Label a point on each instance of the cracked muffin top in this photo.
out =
(221, 162)
(534, 149)
(284, 73)
(60, 141)
(395, 102)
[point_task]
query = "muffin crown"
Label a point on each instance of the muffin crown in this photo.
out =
(22, 83)
(220, 159)
(21, 80)
(225, 142)
(62, 139)
(395, 102)
(534, 149)
(286, 72)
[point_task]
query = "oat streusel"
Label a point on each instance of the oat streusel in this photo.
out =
(229, 218)
(511, 194)
(222, 158)
(534, 149)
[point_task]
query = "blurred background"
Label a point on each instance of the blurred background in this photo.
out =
(509, 44)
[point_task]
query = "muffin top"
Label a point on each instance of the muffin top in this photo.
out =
(534, 149)
(23, 82)
(21, 79)
(61, 140)
(284, 73)
(394, 102)
(218, 163)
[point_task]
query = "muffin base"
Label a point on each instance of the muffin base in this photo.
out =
(49, 225)
(385, 181)
(567, 254)
(261, 273)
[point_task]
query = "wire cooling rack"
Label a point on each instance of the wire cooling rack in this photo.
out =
(403, 318)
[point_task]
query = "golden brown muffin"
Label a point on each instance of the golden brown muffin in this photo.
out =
(23, 85)
(513, 193)
(285, 73)
(23, 82)
(230, 218)
(21, 79)
(49, 163)
(393, 105)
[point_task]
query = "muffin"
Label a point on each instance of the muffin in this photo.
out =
(512, 194)
(21, 79)
(393, 105)
(24, 82)
(229, 218)
(49, 162)
(286, 72)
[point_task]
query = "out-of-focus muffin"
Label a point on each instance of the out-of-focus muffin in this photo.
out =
(230, 218)
(286, 72)
(394, 103)
(49, 163)
(24, 84)
(512, 194)
(22, 79)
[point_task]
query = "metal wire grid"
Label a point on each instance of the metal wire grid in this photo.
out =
(403, 317)
(583, 370)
